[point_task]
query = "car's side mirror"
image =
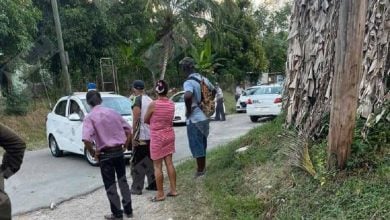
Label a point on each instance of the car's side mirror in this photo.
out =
(74, 117)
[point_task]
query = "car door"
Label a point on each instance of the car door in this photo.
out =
(74, 128)
(57, 122)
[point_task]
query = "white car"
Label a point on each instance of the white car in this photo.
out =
(264, 101)
(65, 122)
(180, 108)
(243, 100)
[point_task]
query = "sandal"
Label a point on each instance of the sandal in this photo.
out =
(172, 195)
(155, 199)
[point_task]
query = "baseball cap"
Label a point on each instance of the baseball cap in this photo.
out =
(187, 61)
(138, 84)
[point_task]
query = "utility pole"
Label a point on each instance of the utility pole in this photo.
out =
(346, 79)
(64, 64)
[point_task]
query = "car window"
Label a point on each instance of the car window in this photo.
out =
(250, 91)
(178, 98)
(75, 108)
(61, 108)
(120, 104)
(267, 90)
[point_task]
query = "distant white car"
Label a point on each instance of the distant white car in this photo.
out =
(243, 100)
(180, 108)
(265, 101)
(65, 122)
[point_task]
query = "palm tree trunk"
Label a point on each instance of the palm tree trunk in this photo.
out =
(165, 61)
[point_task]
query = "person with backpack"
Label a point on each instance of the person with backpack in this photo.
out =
(141, 164)
(14, 148)
(199, 101)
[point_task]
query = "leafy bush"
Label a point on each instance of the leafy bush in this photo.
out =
(16, 103)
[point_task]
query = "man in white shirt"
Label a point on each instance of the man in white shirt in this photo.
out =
(219, 111)
(141, 164)
(238, 92)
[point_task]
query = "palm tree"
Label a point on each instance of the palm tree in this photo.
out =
(178, 22)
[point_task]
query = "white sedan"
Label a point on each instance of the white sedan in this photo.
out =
(65, 122)
(180, 108)
(243, 99)
(264, 101)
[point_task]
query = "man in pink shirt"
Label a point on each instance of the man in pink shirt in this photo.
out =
(111, 135)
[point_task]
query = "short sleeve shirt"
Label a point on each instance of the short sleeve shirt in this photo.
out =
(143, 103)
(193, 86)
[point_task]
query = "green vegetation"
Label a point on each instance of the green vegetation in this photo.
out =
(30, 127)
(143, 42)
(257, 183)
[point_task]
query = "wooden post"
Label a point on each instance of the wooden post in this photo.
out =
(346, 79)
(64, 64)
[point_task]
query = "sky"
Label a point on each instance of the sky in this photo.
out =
(274, 4)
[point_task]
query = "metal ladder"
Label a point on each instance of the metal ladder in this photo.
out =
(108, 75)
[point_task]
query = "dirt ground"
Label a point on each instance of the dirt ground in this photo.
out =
(95, 205)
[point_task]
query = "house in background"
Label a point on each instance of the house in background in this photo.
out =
(271, 78)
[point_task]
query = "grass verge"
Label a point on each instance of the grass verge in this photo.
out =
(30, 127)
(257, 184)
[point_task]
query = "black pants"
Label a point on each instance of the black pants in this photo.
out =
(14, 148)
(219, 112)
(237, 97)
(141, 166)
(5, 203)
(111, 164)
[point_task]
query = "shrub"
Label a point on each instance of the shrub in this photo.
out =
(16, 103)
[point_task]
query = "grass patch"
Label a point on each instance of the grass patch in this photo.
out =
(30, 127)
(230, 102)
(257, 184)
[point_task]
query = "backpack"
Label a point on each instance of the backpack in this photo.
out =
(207, 103)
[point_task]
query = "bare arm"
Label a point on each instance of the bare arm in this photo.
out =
(89, 146)
(136, 116)
(149, 113)
(188, 102)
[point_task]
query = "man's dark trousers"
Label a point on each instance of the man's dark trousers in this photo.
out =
(219, 112)
(141, 166)
(109, 165)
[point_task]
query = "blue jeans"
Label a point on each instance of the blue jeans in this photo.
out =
(197, 137)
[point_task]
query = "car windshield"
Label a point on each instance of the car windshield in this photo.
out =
(267, 90)
(120, 104)
(178, 98)
(249, 91)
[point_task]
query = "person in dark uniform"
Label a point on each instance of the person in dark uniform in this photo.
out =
(14, 148)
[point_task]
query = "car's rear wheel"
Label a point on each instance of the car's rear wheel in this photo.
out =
(54, 149)
(91, 159)
(254, 118)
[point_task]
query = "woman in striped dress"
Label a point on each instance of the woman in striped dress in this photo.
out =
(162, 139)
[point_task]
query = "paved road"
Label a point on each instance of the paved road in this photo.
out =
(44, 179)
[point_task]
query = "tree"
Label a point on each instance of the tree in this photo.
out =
(177, 22)
(206, 62)
(274, 31)
(18, 27)
(238, 32)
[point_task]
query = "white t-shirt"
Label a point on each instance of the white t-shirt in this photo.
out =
(238, 90)
(144, 131)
